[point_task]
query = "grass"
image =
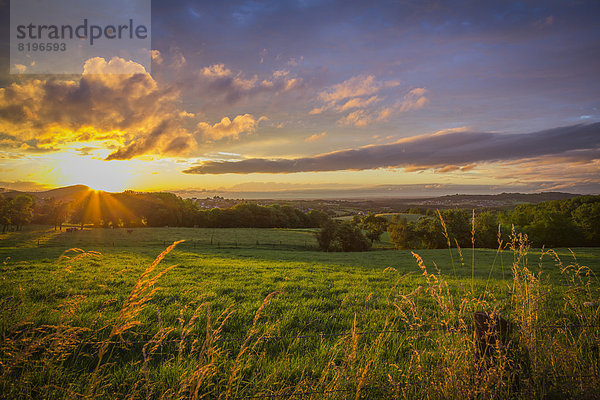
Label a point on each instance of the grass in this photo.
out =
(109, 321)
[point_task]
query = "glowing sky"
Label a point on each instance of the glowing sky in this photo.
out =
(320, 98)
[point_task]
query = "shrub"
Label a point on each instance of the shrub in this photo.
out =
(336, 236)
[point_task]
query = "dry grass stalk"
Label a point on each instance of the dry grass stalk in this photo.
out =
(247, 347)
(80, 254)
(447, 236)
(208, 359)
(141, 294)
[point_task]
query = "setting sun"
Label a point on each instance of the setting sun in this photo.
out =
(110, 176)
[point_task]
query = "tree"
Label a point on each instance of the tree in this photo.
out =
(317, 218)
(430, 233)
(21, 211)
(458, 225)
(553, 229)
(5, 213)
(326, 235)
(486, 230)
(587, 216)
(336, 236)
(374, 226)
(54, 212)
(350, 238)
(402, 233)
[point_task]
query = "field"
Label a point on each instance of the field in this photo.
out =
(409, 217)
(388, 216)
(260, 313)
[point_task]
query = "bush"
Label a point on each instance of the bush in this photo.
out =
(336, 236)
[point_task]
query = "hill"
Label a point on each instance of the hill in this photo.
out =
(67, 193)
(494, 200)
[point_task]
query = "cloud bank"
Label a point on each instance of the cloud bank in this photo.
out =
(446, 150)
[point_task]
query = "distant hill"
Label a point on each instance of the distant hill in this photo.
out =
(67, 193)
(494, 200)
(520, 197)
(70, 193)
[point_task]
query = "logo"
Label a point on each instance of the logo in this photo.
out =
(59, 36)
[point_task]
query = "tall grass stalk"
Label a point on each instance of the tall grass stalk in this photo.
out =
(473, 252)
(448, 241)
(142, 293)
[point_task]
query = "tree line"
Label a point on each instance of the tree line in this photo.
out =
(15, 212)
(131, 209)
(559, 223)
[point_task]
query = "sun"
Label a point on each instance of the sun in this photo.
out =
(97, 174)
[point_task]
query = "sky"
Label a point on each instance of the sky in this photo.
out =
(321, 99)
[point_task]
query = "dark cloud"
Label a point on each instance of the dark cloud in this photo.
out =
(439, 150)
(221, 84)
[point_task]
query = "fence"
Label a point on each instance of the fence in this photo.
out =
(195, 238)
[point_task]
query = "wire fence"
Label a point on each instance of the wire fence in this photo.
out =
(314, 392)
(291, 243)
(418, 330)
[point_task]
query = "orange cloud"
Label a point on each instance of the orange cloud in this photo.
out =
(358, 94)
(229, 129)
(114, 101)
(316, 137)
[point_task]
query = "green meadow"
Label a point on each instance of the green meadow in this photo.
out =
(260, 313)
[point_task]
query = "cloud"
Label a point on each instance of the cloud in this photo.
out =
(116, 65)
(361, 85)
(316, 137)
(157, 57)
(227, 87)
(165, 137)
(413, 100)
(359, 95)
(128, 109)
(20, 68)
(362, 118)
(357, 102)
(432, 151)
(294, 62)
(229, 129)
(23, 186)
